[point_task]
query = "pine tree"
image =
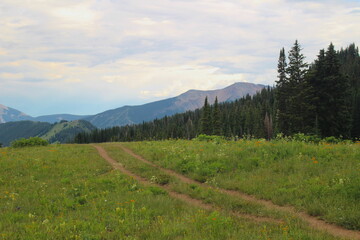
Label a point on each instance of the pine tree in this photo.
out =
(296, 71)
(206, 126)
(336, 112)
(216, 119)
(282, 90)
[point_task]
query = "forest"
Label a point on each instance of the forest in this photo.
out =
(319, 99)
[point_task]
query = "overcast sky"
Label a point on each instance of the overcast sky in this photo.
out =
(87, 56)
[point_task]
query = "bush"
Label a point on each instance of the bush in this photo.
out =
(210, 138)
(30, 142)
(301, 137)
(332, 139)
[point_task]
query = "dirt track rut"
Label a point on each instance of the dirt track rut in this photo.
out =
(312, 221)
(182, 197)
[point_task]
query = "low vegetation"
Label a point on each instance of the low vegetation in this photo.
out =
(70, 192)
(321, 179)
(30, 142)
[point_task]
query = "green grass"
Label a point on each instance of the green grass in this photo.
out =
(69, 192)
(322, 180)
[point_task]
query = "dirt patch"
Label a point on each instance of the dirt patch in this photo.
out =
(182, 197)
(312, 221)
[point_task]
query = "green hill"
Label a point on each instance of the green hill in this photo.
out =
(65, 131)
(22, 129)
(58, 132)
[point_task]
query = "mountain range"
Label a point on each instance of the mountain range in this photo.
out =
(8, 114)
(187, 101)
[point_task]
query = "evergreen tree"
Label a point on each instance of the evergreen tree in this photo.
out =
(296, 71)
(282, 91)
(335, 111)
(216, 119)
(350, 67)
(206, 124)
(315, 83)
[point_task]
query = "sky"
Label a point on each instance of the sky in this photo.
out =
(88, 56)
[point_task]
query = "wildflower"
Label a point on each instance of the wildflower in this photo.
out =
(213, 219)
(315, 161)
(132, 200)
(45, 221)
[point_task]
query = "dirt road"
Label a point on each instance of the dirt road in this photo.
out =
(312, 221)
(182, 197)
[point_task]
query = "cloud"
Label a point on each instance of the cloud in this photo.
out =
(112, 53)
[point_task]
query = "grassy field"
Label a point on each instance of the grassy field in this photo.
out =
(323, 180)
(70, 192)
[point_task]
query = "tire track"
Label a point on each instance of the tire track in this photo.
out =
(173, 194)
(314, 222)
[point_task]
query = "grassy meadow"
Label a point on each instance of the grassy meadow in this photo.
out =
(70, 192)
(322, 180)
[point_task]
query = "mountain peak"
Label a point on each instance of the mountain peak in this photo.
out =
(188, 101)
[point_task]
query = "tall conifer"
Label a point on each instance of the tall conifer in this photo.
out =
(296, 71)
(282, 94)
(216, 119)
(206, 126)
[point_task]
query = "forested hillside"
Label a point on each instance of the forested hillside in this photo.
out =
(22, 129)
(63, 131)
(321, 98)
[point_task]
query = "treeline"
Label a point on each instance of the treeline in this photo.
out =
(322, 98)
(235, 119)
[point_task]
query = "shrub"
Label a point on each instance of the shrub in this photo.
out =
(30, 142)
(209, 138)
(301, 137)
(332, 139)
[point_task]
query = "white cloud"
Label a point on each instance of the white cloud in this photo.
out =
(128, 52)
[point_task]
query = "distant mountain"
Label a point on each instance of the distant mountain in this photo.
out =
(189, 100)
(8, 114)
(59, 132)
(59, 117)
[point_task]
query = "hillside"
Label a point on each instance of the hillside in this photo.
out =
(65, 131)
(189, 100)
(59, 132)
(22, 129)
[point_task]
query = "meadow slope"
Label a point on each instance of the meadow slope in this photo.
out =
(321, 180)
(70, 192)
